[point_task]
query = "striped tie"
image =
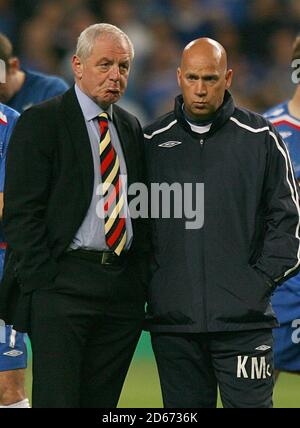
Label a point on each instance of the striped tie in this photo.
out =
(114, 217)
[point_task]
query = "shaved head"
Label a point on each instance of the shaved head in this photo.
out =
(203, 77)
(205, 47)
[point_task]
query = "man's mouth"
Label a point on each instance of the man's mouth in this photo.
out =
(200, 103)
(114, 91)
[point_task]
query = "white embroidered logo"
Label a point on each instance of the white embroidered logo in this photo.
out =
(170, 144)
(263, 348)
(13, 353)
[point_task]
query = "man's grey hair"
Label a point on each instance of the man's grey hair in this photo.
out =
(88, 37)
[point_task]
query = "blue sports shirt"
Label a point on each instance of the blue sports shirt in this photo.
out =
(289, 129)
(286, 299)
(8, 118)
(37, 88)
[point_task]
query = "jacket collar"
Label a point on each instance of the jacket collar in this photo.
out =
(223, 114)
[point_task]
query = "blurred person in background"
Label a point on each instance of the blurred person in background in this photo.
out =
(286, 299)
(8, 20)
(209, 310)
(76, 271)
(13, 353)
(159, 85)
(43, 31)
(24, 88)
(73, 24)
(280, 45)
(123, 14)
(48, 25)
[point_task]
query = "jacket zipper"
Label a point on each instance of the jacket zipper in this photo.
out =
(202, 141)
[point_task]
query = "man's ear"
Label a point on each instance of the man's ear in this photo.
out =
(228, 78)
(179, 77)
(77, 67)
(13, 65)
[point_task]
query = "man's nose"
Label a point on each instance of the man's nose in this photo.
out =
(201, 88)
(114, 73)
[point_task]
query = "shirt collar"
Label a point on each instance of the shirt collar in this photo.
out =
(89, 108)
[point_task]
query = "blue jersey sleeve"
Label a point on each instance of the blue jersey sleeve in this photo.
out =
(5, 134)
(55, 86)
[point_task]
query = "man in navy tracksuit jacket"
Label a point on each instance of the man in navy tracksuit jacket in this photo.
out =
(209, 309)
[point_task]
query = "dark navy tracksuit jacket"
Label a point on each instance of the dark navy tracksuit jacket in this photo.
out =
(220, 277)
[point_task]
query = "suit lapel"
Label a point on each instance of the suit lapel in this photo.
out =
(75, 123)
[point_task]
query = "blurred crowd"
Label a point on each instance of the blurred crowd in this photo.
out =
(258, 35)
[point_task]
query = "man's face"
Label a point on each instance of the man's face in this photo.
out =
(104, 74)
(203, 80)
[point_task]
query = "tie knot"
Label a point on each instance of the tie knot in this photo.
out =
(103, 123)
(103, 116)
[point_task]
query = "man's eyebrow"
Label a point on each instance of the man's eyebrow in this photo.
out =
(191, 73)
(104, 59)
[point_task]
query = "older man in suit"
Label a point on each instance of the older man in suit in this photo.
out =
(76, 269)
